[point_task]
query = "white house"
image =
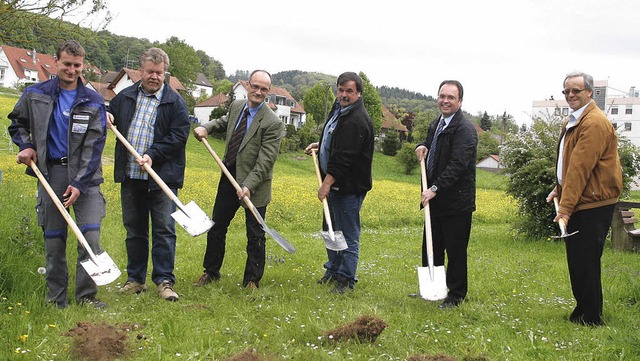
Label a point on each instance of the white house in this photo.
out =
(202, 87)
(278, 99)
(19, 66)
(621, 107)
(491, 163)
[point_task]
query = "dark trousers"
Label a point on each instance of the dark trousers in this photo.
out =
(224, 210)
(584, 251)
(450, 234)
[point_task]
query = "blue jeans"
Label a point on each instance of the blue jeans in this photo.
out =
(138, 203)
(345, 213)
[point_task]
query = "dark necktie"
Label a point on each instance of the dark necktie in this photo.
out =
(236, 139)
(431, 156)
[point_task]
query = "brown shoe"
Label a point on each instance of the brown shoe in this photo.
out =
(204, 280)
(133, 287)
(165, 290)
(251, 285)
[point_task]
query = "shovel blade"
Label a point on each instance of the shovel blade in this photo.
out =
(335, 243)
(432, 289)
(279, 239)
(193, 219)
(103, 271)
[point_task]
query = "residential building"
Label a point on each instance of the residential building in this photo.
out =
(21, 66)
(202, 110)
(202, 87)
(279, 100)
(621, 107)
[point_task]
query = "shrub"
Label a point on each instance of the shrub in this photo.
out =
(391, 143)
(407, 157)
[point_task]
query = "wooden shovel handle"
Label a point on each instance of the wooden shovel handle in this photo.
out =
(325, 204)
(63, 211)
(427, 216)
(147, 167)
(561, 221)
(235, 184)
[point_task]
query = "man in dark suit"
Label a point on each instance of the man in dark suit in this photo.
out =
(253, 135)
(450, 152)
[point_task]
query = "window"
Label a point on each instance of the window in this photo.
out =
(556, 112)
(627, 126)
(629, 110)
(565, 111)
(1, 74)
(614, 110)
(615, 126)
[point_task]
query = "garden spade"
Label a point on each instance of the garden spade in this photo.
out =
(191, 217)
(334, 241)
(562, 224)
(270, 231)
(432, 280)
(100, 267)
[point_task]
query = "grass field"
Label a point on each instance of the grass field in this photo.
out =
(517, 308)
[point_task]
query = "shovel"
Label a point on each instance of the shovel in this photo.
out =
(270, 231)
(334, 241)
(101, 267)
(562, 224)
(191, 217)
(432, 280)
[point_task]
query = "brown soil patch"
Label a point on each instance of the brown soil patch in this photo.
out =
(365, 328)
(431, 358)
(100, 342)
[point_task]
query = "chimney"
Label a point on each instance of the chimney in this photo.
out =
(632, 92)
(33, 56)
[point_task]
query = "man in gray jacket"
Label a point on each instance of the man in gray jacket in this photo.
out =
(60, 124)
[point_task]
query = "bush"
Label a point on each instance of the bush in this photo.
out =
(391, 143)
(530, 161)
(407, 157)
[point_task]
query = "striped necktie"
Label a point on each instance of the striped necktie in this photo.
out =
(431, 156)
(236, 139)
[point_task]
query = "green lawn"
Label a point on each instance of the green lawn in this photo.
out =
(517, 308)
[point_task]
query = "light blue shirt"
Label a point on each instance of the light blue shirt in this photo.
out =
(140, 133)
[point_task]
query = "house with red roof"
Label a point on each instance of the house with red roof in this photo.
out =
(21, 66)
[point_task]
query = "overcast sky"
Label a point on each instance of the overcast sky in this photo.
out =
(505, 53)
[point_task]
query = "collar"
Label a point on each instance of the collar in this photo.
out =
(157, 95)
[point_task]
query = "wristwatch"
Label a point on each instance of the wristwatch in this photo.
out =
(434, 188)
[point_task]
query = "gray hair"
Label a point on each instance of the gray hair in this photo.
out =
(588, 79)
(156, 55)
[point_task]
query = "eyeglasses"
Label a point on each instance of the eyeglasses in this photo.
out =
(574, 91)
(255, 87)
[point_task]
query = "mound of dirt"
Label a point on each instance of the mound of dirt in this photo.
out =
(365, 328)
(100, 342)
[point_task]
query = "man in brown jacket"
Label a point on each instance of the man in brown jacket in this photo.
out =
(589, 181)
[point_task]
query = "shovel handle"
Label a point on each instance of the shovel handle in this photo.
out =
(148, 168)
(427, 219)
(561, 222)
(235, 184)
(63, 211)
(325, 204)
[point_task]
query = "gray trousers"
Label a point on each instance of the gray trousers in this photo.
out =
(89, 209)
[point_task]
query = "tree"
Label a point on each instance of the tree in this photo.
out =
(391, 143)
(487, 144)
(372, 102)
(529, 158)
(184, 61)
(211, 68)
(407, 157)
(22, 17)
(318, 101)
(485, 122)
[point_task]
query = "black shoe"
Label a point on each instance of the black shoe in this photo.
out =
(450, 302)
(326, 279)
(96, 303)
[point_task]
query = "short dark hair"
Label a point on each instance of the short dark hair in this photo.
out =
(350, 76)
(70, 47)
(457, 84)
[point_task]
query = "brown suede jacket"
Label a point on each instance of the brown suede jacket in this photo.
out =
(591, 171)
